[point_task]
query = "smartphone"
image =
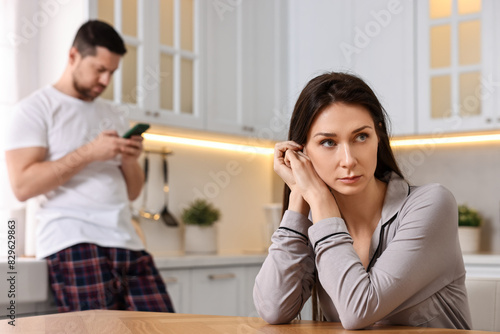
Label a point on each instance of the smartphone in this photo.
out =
(136, 130)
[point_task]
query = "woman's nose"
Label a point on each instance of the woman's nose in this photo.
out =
(347, 159)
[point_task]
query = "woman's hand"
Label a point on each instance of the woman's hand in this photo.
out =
(281, 167)
(310, 186)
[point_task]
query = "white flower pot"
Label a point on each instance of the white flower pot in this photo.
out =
(200, 239)
(470, 238)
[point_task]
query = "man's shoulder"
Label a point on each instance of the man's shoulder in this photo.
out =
(36, 98)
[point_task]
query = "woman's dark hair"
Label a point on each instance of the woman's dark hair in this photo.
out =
(334, 87)
(95, 33)
(320, 93)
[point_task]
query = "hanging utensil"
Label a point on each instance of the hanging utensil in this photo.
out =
(143, 212)
(165, 215)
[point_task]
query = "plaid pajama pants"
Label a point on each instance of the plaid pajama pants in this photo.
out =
(87, 276)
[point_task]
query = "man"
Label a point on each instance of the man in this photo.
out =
(64, 146)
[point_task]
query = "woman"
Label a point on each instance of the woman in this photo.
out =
(376, 249)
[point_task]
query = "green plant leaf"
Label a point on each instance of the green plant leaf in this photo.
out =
(468, 216)
(200, 212)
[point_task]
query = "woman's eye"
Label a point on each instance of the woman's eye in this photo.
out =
(327, 143)
(362, 137)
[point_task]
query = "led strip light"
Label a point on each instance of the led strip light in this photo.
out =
(208, 144)
(266, 150)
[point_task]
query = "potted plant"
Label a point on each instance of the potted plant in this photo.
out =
(200, 234)
(469, 231)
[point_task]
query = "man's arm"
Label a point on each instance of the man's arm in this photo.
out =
(30, 175)
(131, 170)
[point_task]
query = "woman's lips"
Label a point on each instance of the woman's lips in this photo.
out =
(350, 180)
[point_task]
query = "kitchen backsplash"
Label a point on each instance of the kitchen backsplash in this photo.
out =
(469, 171)
(239, 184)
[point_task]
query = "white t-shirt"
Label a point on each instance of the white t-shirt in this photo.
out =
(93, 206)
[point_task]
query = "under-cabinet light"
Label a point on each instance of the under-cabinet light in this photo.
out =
(464, 139)
(208, 144)
(408, 142)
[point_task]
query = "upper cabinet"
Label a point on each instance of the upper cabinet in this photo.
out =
(381, 51)
(160, 78)
(237, 67)
(373, 39)
(246, 67)
(457, 78)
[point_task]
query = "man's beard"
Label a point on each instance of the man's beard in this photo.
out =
(85, 92)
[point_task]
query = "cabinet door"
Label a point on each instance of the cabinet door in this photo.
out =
(217, 291)
(224, 40)
(160, 77)
(483, 294)
(456, 76)
(380, 50)
(246, 64)
(177, 283)
(250, 274)
(264, 68)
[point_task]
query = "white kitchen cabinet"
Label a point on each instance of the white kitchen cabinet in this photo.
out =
(382, 53)
(483, 290)
(246, 68)
(250, 275)
(457, 77)
(160, 80)
(373, 39)
(484, 302)
(215, 285)
(177, 282)
(218, 291)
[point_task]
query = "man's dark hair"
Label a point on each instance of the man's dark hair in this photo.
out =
(95, 33)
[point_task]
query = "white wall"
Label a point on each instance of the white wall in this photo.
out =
(239, 184)
(471, 173)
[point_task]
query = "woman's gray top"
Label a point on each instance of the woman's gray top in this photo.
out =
(416, 275)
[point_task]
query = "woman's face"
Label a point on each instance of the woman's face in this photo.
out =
(342, 144)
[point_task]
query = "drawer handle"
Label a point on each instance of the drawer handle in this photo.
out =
(170, 280)
(214, 277)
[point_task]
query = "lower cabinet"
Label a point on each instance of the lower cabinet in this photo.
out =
(484, 302)
(224, 290)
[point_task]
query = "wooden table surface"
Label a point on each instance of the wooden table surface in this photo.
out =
(125, 322)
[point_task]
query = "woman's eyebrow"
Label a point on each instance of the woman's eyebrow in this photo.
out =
(362, 128)
(333, 134)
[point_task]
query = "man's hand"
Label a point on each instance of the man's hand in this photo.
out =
(132, 150)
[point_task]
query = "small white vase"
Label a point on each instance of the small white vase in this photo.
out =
(200, 239)
(469, 238)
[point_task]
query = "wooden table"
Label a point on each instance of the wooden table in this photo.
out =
(126, 322)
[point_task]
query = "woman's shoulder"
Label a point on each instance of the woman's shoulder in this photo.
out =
(431, 190)
(431, 198)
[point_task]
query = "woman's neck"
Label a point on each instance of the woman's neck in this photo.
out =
(362, 211)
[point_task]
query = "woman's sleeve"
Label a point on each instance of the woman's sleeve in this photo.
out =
(286, 278)
(421, 256)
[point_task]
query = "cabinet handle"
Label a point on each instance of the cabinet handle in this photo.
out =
(248, 128)
(214, 277)
(170, 280)
(488, 120)
(152, 113)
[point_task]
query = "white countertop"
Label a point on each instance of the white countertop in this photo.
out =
(482, 259)
(482, 265)
(169, 261)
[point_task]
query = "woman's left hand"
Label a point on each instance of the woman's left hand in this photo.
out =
(312, 188)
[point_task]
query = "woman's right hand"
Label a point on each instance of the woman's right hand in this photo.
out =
(281, 164)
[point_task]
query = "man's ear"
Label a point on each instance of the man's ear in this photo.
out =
(74, 55)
